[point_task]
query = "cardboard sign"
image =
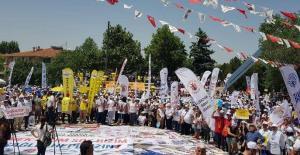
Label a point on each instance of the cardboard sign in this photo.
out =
(242, 114)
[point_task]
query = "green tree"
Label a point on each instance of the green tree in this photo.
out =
(200, 54)
(119, 44)
(167, 50)
(9, 47)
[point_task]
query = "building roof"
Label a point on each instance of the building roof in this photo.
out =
(42, 53)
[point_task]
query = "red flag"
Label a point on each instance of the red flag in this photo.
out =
(289, 15)
(273, 38)
(249, 29)
(181, 30)
(195, 1)
(112, 2)
(294, 44)
(228, 49)
(216, 19)
(151, 20)
(242, 12)
(179, 6)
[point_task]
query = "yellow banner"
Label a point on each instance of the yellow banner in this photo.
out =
(242, 114)
(68, 82)
(93, 89)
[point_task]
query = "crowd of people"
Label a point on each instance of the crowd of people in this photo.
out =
(236, 136)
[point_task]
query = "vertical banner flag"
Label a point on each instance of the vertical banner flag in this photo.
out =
(248, 89)
(121, 72)
(44, 76)
(174, 93)
(135, 87)
(193, 86)
(149, 78)
(93, 89)
(163, 82)
(124, 83)
(68, 82)
(213, 81)
(11, 68)
(204, 78)
(28, 78)
(254, 86)
(292, 83)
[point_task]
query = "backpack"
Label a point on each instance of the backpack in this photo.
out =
(47, 140)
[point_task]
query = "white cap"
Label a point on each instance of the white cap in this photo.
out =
(289, 129)
(274, 125)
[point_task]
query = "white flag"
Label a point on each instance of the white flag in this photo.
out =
(121, 73)
(127, 6)
(138, 14)
(214, 3)
(11, 68)
(149, 79)
(292, 84)
(174, 93)
(204, 78)
(124, 83)
(163, 82)
(171, 28)
(227, 77)
(277, 116)
(254, 86)
(297, 27)
(263, 35)
(213, 81)
(44, 76)
(201, 17)
(227, 8)
(28, 78)
(288, 45)
(200, 97)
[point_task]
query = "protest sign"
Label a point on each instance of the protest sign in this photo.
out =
(242, 114)
(15, 112)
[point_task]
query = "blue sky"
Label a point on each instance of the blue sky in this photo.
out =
(57, 22)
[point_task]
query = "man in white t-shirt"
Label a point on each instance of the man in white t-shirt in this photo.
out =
(111, 110)
(100, 105)
(133, 109)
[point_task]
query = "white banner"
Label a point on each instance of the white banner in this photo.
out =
(44, 76)
(213, 81)
(28, 78)
(15, 112)
(11, 68)
(248, 81)
(193, 86)
(121, 72)
(276, 116)
(174, 93)
(149, 78)
(204, 78)
(124, 83)
(292, 84)
(227, 77)
(254, 86)
(163, 82)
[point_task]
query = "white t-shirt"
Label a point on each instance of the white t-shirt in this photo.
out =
(169, 113)
(40, 132)
(142, 120)
(122, 106)
(176, 116)
(50, 101)
(132, 107)
(111, 104)
(188, 117)
(100, 105)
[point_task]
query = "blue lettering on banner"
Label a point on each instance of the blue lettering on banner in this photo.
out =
(297, 96)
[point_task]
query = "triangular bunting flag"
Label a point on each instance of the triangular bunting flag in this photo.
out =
(201, 17)
(186, 14)
(151, 20)
(289, 15)
(263, 35)
(181, 30)
(112, 2)
(249, 29)
(249, 6)
(127, 6)
(229, 50)
(274, 39)
(138, 14)
(286, 43)
(294, 44)
(297, 27)
(179, 6)
(214, 3)
(165, 2)
(242, 12)
(195, 1)
(226, 8)
(216, 19)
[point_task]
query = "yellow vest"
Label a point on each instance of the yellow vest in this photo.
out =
(82, 105)
(65, 104)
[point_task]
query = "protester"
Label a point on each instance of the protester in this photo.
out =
(5, 133)
(86, 148)
(39, 134)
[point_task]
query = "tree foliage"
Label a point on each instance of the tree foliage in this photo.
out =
(119, 44)
(9, 47)
(167, 50)
(200, 54)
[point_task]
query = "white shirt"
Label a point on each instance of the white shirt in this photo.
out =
(176, 116)
(276, 141)
(100, 105)
(40, 133)
(169, 112)
(142, 120)
(50, 101)
(122, 107)
(132, 107)
(111, 104)
(188, 117)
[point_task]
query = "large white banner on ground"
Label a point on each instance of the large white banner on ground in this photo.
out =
(204, 78)
(213, 81)
(174, 93)
(124, 83)
(292, 83)
(200, 96)
(15, 112)
(44, 76)
(163, 82)
(11, 68)
(28, 77)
